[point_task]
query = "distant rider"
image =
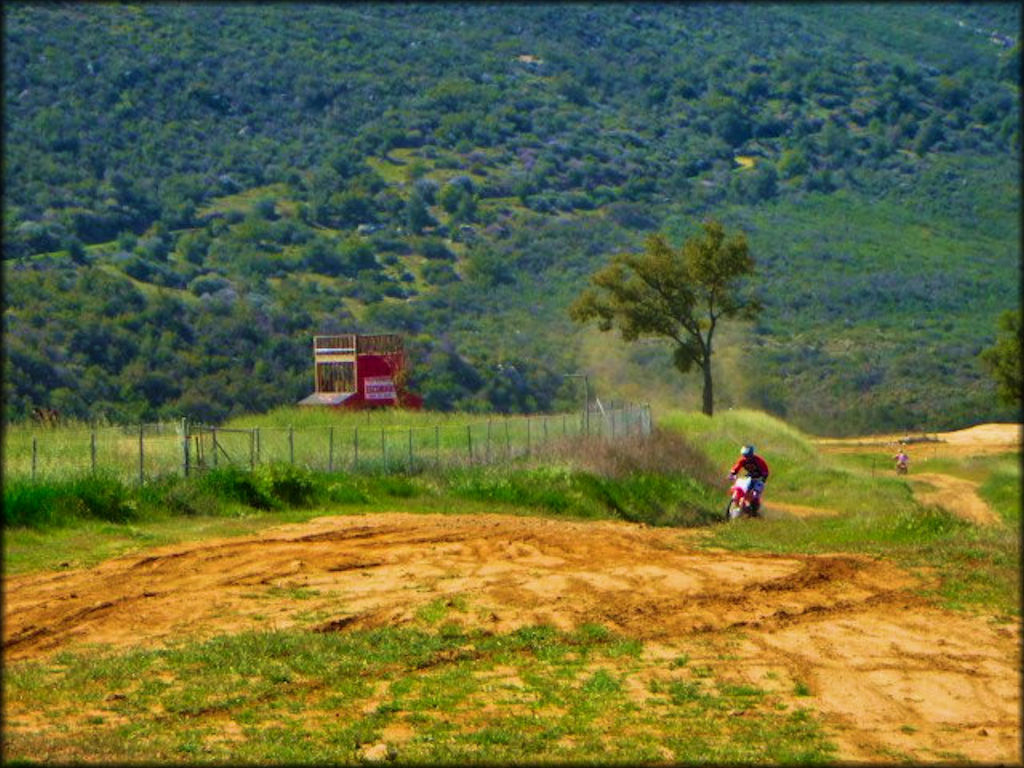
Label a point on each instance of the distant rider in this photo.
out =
(902, 462)
(756, 468)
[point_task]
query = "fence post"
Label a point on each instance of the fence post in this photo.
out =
(469, 441)
(92, 449)
(34, 453)
(527, 436)
(487, 452)
(355, 446)
(142, 466)
(291, 444)
(184, 446)
(383, 450)
(410, 449)
(330, 449)
(213, 443)
(252, 448)
(437, 444)
(508, 441)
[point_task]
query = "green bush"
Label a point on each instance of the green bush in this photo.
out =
(39, 504)
(235, 484)
(285, 484)
(30, 504)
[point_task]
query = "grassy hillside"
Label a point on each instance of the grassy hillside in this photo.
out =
(192, 192)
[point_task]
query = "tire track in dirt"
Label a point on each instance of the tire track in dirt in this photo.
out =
(955, 494)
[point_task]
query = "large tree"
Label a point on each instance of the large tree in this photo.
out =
(1003, 359)
(679, 294)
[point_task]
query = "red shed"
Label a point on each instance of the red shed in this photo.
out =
(354, 371)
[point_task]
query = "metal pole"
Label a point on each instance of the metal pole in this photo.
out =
(437, 444)
(252, 448)
(291, 444)
(355, 446)
(92, 450)
(330, 449)
(527, 435)
(508, 440)
(410, 449)
(487, 453)
(34, 454)
(213, 433)
(383, 449)
(142, 466)
(469, 441)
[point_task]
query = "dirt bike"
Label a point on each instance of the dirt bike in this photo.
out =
(901, 468)
(743, 500)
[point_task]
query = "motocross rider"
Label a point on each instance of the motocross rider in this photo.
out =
(902, 462)
(757, 468)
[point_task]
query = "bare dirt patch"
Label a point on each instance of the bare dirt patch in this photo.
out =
(954, 494)
(979, 439)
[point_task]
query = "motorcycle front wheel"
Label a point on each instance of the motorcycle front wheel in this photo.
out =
(733, 511)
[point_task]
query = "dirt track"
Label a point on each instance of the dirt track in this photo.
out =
(886, 670)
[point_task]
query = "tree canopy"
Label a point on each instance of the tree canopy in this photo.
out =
(679, 294)
(1003, 359)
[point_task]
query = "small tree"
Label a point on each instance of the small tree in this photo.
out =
(676, 294)
(1003, 359)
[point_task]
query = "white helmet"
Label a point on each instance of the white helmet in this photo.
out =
(747, 450)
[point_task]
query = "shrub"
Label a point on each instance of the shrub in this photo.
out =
(234, 484)
(30, 504)
(37, 504)
(287, 484)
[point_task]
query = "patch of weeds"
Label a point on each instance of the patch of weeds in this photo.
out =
(702, 671)
(683, 691)
(320, 697)
(292, 593)
(601, 683)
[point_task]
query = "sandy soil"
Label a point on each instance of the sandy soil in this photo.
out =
(979, 439)
(891, 675)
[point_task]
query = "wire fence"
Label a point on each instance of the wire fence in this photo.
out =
(147, 451)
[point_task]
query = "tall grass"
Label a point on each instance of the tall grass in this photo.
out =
(319, 438)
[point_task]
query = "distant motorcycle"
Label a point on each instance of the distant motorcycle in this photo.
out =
(744, 499)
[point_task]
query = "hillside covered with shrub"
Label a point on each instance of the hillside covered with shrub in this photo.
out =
(194, 190)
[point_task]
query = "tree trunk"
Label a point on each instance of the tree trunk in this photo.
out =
(709, 400)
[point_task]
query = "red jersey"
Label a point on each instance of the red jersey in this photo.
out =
(754, 465)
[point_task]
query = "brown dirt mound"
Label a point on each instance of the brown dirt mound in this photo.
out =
(887, 671)
(979, 439)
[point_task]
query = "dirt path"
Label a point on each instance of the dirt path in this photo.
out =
(891, 675)
(955, 494)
